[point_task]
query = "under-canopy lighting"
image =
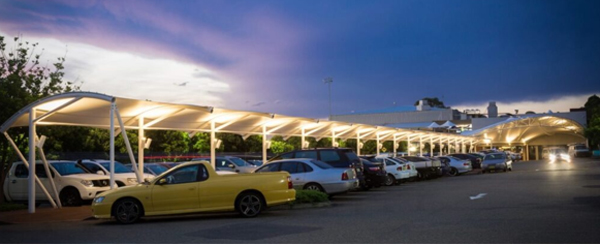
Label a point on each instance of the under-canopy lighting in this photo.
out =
(51, 105)
(487, 141)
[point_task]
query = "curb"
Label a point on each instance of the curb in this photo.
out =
(302, 206)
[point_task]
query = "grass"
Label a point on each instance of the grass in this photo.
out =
(4, 207)
(306, 196)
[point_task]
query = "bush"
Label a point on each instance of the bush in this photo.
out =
(306, 196)
(11, 206)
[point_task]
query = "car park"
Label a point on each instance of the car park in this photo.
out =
(123, 175)
(409, 167)
(497, 161)
(457, 166)
(74, 182)
(195, 187)
(230, 163)
(310, 174)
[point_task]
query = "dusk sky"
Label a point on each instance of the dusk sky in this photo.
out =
(272, 56)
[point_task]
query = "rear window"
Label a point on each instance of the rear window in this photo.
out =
(307, 154)
(320, 164)
(330, 156)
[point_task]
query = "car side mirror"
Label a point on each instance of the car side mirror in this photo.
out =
(162, 181)
(100, 172)
(230, 165)
(147, 180)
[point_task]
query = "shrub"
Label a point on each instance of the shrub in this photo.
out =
(306, 196)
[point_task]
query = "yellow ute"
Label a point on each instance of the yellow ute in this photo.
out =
(192, 188)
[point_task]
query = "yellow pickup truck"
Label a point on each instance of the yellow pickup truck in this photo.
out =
(195, 187)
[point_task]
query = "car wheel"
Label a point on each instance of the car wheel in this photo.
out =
(127, 211)
(70, 197)
(390, 180)
(453, 172)
(249, 204)
(313, 187)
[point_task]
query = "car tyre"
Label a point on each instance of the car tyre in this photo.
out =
(390, 180)
(453, 172)
(249, 204)
(128, 211)
(313, 187)
(70, 197)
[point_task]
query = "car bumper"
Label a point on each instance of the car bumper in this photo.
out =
(102, 210)
(375, 179)
(493, 168)
(340, 187)
(91, 193)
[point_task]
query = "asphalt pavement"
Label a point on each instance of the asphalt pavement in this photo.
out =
(537, 202)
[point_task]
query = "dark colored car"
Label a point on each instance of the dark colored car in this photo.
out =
(336, 157)
(475, 160)
(374, 173)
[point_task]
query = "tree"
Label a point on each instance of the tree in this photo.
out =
(592, 132)
(22, 81)
(433, 102)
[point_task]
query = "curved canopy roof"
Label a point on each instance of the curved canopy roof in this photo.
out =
(525, 128)
(92, 110)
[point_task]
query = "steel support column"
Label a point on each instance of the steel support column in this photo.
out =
(32, 176)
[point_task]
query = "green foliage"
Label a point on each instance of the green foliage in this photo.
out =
(433, 102)
(592, 132)
(278, 145)
(310, 196)
(4, 207)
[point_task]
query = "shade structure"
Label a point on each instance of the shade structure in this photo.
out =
(448, 124)
(433, 125)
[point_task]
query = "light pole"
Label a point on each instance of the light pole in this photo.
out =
(329, 80)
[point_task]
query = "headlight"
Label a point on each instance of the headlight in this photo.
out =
(98, 199)
(87, 183)
(552, 156)
(132, 181)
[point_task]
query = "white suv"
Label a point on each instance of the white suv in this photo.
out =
(74, 182)
(123, 175)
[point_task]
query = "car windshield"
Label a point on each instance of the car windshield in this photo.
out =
(352, 156)
(157, 169)
(580, 147)
(68, 168)
(494, 156)
(400, 159)
(321, 165)
(558, 151)
(119, 167)
(240, 162)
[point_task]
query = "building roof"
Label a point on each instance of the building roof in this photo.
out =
(394, 109)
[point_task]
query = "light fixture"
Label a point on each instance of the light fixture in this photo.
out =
(487, 141)
(412, 148)
(360, 145)
(336, 144)
(379, 146)
(218, 143)
(306, 144)
(147, 143)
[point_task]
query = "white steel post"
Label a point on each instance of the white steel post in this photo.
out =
(408, 146)
(431, 146)
(377, 146)
(128, 146)
(303, 138)
(441, 146)
(264, 144)
(140, 145)
(333, 139)
(213, 153)
(50, 178)
(112, 144)
(420, 145)
(32, 176)
(358, 143)
(395, 145)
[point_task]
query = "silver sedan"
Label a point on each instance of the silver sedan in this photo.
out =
(310, 174)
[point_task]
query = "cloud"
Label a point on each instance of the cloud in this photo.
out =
(558, 104)
(129, 75)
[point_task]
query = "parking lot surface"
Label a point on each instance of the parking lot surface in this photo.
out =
(537, 202)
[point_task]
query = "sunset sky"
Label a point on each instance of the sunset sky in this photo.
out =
(272, 56)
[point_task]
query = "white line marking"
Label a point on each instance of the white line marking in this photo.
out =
(480, 195)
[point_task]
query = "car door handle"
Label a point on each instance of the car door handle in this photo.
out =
(297, 178)
(14, 181)
(192, 188)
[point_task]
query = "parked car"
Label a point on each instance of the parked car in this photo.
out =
(123, 175)
(425, 167)
(229, 163)
(555, 154)
(496, 161)
(410, 167)
(445, 166)
(393, 168)
(195, 187)
(74, 182)
(457, 166)
(151, 168)
(310, 174)
(579, 150)
(475, 159)
(336, 157)
(375, 174)
(168, 165)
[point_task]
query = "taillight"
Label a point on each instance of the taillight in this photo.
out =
(408, 167)
(466, 164)
(290, 185)
(374, 168)
(344, 176)
(399, 168)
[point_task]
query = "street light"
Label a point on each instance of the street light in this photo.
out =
(329, 80)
